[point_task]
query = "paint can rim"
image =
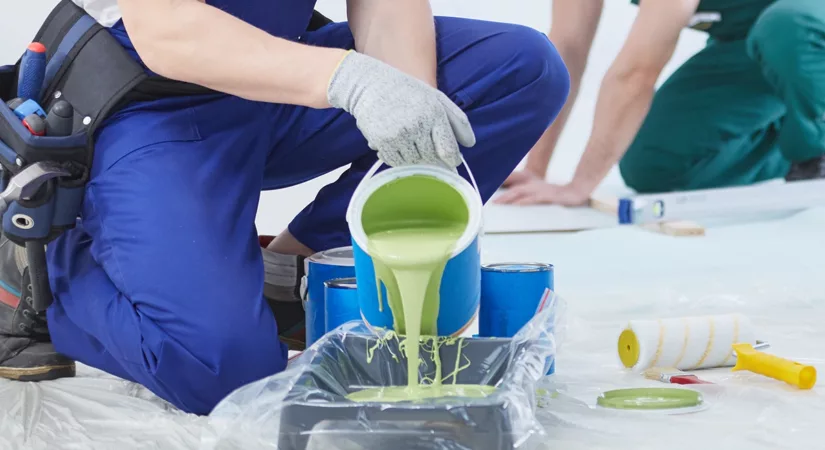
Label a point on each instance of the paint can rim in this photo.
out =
(465, 189)
(523, 267)
(342, 283)
(330, 258)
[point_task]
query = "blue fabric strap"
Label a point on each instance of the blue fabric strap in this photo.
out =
(69, 41)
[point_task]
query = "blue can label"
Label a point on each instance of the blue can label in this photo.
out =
(511, 294)
(460, 292)
(341, 303)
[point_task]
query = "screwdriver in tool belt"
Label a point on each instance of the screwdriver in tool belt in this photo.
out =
(32, 71)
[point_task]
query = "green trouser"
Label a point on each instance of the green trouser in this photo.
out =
(738, 112)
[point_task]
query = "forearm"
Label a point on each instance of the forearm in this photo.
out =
(574, 28)
(193, 42)
(623, 103)
(539, 158)
(399, 32)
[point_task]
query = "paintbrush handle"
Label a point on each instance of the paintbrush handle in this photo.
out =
(687, 379)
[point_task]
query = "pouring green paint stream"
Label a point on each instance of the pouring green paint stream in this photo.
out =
(409, 252)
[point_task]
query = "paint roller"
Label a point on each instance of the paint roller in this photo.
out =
(686, 343)
(704, 342)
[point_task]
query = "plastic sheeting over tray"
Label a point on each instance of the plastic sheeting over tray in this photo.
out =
(305, 407)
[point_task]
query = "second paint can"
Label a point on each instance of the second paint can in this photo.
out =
(320, 268)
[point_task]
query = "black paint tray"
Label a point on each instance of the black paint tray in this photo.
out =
(305, 407)
(316, 406)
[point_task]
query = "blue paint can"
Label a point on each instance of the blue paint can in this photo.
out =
(341, 302)
(510, 297)
(460, 287)
(320, 268)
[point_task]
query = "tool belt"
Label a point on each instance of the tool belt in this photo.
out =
(88, 68)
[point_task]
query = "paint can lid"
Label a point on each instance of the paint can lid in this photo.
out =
(517, 267)
(650, 399)
(341, 256)
(341, 283)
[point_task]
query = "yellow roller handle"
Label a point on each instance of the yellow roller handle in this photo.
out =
(747, 358)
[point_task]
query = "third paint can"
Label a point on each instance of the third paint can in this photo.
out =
(510, 296)
(341, 302)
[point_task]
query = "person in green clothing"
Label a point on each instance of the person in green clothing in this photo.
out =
(749, 107)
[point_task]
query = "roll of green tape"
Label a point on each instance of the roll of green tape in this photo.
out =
(650, 398)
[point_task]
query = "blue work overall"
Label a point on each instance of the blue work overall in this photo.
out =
(161, 283)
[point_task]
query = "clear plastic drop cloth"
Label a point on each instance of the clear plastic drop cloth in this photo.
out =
(307, 405)
(770, 270)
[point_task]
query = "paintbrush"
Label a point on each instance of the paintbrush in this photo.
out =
(672, 375)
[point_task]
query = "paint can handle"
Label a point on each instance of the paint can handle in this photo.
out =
(370, 173)
(374, 169)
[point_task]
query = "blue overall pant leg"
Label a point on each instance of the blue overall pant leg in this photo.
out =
(161, 282)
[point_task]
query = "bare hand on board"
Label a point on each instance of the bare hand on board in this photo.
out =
(541, 192)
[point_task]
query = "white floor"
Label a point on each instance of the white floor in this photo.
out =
(769, 270)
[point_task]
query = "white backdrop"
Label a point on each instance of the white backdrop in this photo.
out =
(20, 21)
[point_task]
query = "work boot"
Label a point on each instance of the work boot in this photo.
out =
(807, 170)
(282, 290)
(26, 351)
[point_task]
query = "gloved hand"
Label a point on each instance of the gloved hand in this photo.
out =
(406, 120)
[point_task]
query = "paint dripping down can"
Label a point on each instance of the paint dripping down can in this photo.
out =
(319, 268)
(511, 295)
(341, 302)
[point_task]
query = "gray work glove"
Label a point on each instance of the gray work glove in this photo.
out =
(404, 119)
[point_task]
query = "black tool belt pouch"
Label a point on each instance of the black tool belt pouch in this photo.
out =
(87, 68)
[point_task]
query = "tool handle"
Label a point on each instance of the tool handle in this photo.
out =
(772, 366)
(41, 291)
(32, 71)
(688, 379)
(59, 120)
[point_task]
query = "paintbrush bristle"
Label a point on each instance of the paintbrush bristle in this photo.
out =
(662, 373)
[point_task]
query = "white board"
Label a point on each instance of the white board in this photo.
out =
(543, 218)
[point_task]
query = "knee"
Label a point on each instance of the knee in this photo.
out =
(236, 362)
(647, 167)
(535, 69)
(240, 356)
(633, 176)
(782, 32)
(199, 368)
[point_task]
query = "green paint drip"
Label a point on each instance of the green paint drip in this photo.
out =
(458, 367)
(382, 342)
(410, 247)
